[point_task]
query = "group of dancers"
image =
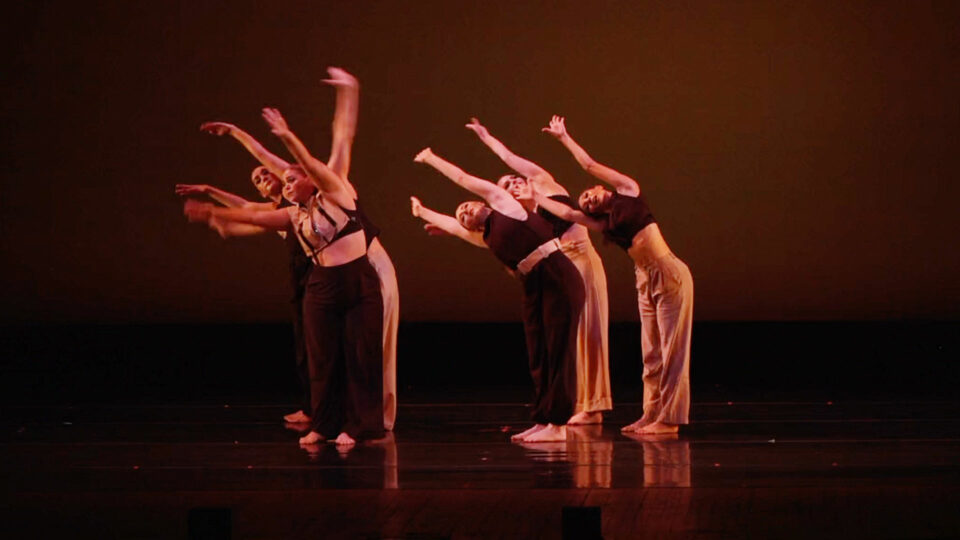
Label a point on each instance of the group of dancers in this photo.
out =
(346, 302)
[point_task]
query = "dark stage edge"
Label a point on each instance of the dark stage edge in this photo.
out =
(742, 469)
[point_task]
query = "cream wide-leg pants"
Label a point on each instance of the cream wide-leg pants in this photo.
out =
(593, 353)
(665, 295)
(391, 318)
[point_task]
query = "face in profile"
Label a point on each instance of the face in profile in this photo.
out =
(297, 188)
(266, 182)
(595, 200)
(517, 186)
(472, 214)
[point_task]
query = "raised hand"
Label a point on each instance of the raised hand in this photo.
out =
(557, 127)
(217, 128)
(415, 206)
(275, 120)
(340, 78)
(191, 189)
(478, 128)
(197, 211)
(423, 156)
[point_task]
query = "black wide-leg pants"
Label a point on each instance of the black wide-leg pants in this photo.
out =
(343, 330)
(553, 297)
(300, 351)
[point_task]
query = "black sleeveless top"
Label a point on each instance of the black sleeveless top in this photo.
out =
(511, 240)
(559, 225)
(370, 230)
(627, 216)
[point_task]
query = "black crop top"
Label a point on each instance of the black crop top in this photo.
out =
(320, 223)
(511, 240)
(627, 216)
(559, 225)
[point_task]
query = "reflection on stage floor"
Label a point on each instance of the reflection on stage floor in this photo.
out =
(858, 469)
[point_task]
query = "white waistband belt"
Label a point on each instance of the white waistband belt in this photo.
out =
(537, 255)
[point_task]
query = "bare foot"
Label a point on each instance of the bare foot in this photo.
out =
(344, 440)
(524, 434)
(658, 427)
(636, 426)
(551, 433)
(585, 418)
(298, 417)
(311, 438)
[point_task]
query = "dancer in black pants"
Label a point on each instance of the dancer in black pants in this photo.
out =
(343, 309)
(552, 289)
(344, 130)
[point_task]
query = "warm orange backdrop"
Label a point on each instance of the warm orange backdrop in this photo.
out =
(802, 157)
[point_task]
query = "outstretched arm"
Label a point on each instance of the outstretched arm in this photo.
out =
(326, 180)
(230, 200)
(344, 119)
(566, 213)
(278, 220)
(271, 161)
(445, 223)
(621, 182)
(538, 175)
(229, 229)
(522, 166)
(496, 197)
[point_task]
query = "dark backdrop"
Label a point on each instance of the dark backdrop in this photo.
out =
(802, 157)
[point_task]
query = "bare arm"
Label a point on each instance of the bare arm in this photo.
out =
(566, 213)
(228, 229)
(325, 179)
(445, 223)
(344, 120)
(230, 200)
(278, 220)
(541, 179)
(496, 197)
(623, 184)
(271, 161)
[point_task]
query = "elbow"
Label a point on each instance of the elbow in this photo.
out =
(588, 164)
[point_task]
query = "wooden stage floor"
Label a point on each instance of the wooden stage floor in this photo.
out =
(756, 470)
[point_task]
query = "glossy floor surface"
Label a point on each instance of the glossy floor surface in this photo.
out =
(758, 469)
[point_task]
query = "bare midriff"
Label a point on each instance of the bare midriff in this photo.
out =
(347, 249)
(648, 245)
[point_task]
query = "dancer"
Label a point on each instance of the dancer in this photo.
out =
(343, 309)
(552, 289)
(270, 188)
(664, 285)
(344, 130)
(593, 371)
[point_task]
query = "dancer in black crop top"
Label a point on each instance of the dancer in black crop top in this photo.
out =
(664, 285)
(344, 130)
(343, 307)
(552, 289)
